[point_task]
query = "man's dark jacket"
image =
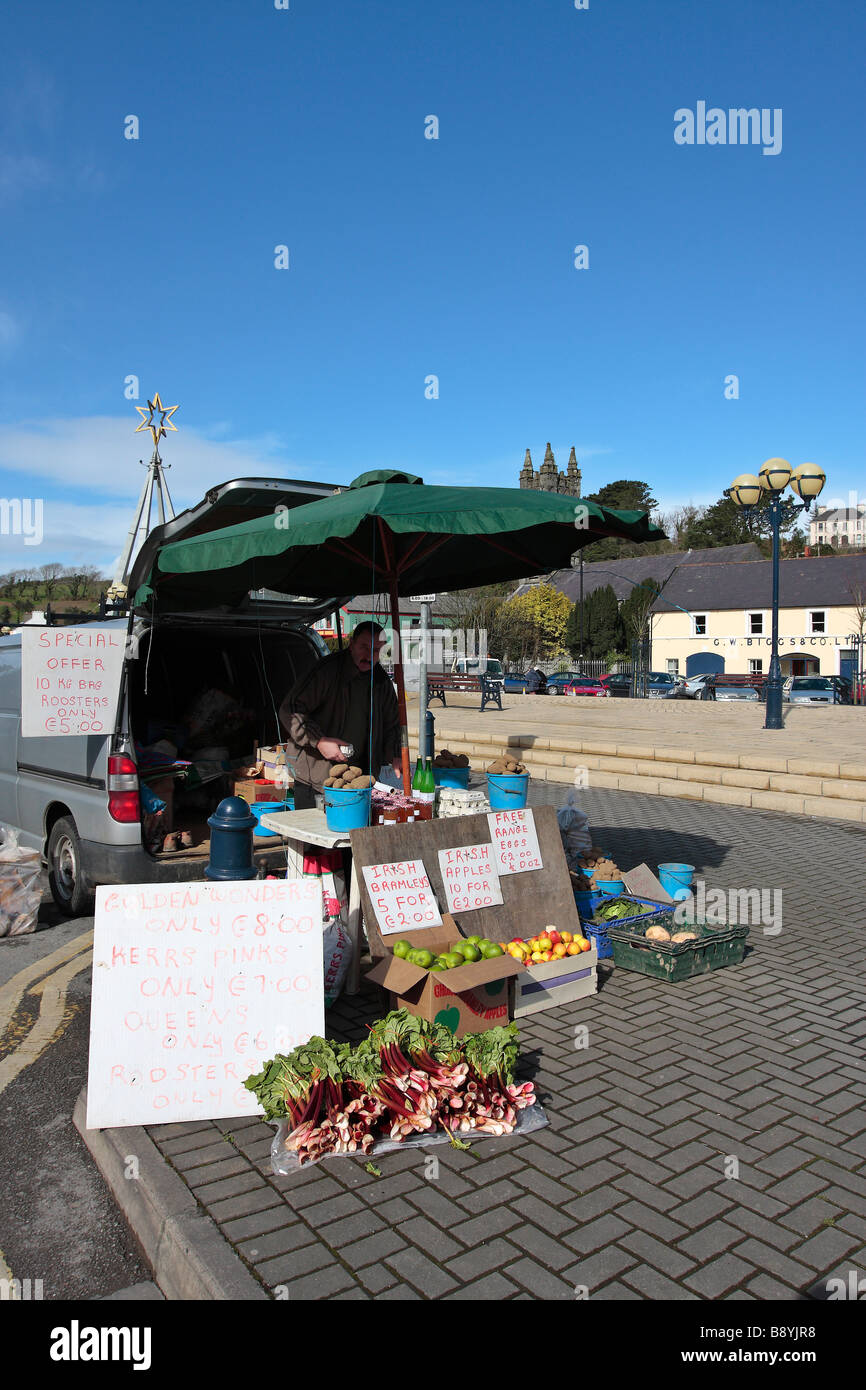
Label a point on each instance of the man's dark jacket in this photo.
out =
(317, 706)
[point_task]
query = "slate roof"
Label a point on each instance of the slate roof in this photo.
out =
(443, 607)
(618, 573)
(814, 582)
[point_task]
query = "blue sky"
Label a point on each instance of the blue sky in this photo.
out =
(411, 257)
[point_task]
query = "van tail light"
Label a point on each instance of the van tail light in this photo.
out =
(123, 798)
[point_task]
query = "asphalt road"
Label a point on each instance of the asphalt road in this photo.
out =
(58, 1220)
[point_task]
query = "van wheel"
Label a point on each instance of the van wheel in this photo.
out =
(65, 878)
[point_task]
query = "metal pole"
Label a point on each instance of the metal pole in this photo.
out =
(581, 641)
(774, 682)
(426, 620)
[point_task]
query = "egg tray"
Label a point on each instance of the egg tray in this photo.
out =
(715, 948)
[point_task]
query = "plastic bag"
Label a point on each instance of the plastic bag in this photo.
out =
(22, 884)
(285, 1161)
(575, 832)
(327, 865)
(337, 951)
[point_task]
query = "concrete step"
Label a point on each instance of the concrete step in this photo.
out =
(812, 787)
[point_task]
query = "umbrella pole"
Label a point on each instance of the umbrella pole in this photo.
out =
(401, 689)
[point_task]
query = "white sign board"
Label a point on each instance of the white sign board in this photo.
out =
(422, 598)
(195, 987)
(70, 677)
(515, 841)
(401, 896)
(470, 877)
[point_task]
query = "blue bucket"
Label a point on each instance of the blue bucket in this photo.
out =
(587, 901)
(507, 791)
(260, 808)
(677, 879)
(611, 887)
(347, 808)
(451, 776)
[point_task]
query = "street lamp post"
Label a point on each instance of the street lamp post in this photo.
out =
(747, 492)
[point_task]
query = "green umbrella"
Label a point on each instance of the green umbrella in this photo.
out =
(387, 532)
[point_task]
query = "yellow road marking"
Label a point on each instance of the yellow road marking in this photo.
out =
(14, 990)
(49, 1024)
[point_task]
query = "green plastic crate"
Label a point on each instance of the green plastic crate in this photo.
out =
(716, 947)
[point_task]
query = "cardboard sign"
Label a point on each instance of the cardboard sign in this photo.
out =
(515, 841)
(470, 878)
(401, 896)
(195, 987)
(70, 678)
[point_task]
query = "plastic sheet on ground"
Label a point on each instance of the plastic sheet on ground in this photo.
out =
(285, 1162)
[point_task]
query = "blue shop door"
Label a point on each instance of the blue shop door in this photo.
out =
(848, 665)
(704, 663)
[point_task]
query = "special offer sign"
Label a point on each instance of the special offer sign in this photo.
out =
(70, 677)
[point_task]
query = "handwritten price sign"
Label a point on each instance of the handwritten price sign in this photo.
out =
(195, 986)
(470, 877)
(401, 896)
(515, 841)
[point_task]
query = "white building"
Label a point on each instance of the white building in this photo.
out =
(839, 527)
(718, 617)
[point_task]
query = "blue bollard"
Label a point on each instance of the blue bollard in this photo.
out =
(231, 841)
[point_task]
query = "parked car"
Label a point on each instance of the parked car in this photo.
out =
(618, 683)
(77, 798)
(534, 682)
(814, 690)
(557, 683)
(587, 685)
(694, 685)
(661, 685)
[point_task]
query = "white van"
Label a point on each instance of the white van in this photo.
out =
(78, 799)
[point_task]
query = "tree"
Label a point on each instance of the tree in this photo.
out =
(635, 610)
(49, 577)
(626, 494)
(79, 579)
(546, 610)
(724, 523)
(602, 628)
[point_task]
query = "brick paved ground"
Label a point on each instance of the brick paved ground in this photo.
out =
(755, 1071)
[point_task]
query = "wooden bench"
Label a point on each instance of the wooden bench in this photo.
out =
(439, 682)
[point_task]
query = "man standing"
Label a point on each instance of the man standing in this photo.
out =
(346, 699)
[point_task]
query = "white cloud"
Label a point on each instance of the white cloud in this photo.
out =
(97, 458)
(101, 454)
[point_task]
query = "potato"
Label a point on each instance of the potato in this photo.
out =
(337, 769)
(328, 782)
(363, 781)
(497, 765)
(657, 934)
(684, 936)
(461, 760)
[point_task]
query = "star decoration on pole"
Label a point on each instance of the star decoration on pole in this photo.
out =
(158, 430)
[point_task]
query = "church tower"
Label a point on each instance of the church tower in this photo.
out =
(549, 478)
